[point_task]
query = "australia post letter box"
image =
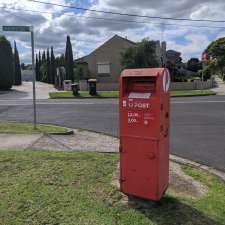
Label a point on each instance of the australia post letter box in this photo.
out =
(144, 132)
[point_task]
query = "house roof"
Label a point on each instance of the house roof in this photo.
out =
(108, 41)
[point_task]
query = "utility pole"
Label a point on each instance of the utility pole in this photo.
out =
(34, 79)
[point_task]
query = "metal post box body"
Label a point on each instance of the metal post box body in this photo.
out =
(144, 132)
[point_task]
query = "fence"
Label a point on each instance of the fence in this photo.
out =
(196, 85)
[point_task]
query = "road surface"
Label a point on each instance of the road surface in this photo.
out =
(197, 123)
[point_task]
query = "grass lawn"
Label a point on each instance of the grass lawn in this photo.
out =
(84, 94)
(192, 93)
(28, 128)
(74, 188)
(115, 94)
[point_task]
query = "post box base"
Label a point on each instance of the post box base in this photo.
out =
(142, 202)
(151, 198)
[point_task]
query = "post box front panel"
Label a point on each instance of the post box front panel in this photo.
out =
(139, 171)
(139, 117)
(139, 108)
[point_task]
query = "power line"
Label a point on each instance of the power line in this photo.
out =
(127, 14)
(117, 20)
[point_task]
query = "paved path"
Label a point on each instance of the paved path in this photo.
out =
(197, 132)
(220, 89)
(25, 91)
(79, 141)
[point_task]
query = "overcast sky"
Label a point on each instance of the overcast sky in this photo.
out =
(88, 33)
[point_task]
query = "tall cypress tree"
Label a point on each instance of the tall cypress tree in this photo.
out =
(17, 68)
(37, 69)
(69, 60)
(53, 66)
(6, 64)
(39, 58)
(48, 64)
(39, 66)
(43, 60)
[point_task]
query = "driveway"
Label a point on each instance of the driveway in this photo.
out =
(25, 91)
(220, 86)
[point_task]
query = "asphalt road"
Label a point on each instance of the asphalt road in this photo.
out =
(197, 124)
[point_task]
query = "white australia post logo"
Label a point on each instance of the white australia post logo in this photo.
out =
(166, 81)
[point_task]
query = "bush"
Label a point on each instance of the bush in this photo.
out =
(206, 74)
(6, 64)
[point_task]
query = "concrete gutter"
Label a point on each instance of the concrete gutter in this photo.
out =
(208, 169)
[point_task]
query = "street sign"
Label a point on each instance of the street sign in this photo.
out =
(17, 28)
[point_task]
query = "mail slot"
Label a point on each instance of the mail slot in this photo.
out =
(144, 132)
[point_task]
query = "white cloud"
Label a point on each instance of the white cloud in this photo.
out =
(196, 43)
(88, 33)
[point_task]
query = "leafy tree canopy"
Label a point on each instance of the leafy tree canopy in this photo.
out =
(216, 50)
(194, 64)
(143, 55)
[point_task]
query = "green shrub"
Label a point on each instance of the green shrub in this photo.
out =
(6, 64)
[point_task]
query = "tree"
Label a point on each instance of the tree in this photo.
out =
(37, 68)
(173, 63)
(60, 60)
(69, 60)
(17, 67)
(39, 58)
(23, 66)
(43, 59)
(143, 55)
(216, 50)
(53, 66)
(49, 80)
(194, 65)
(6, 64)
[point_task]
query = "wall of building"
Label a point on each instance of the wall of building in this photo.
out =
(109, 52)
(100, 86)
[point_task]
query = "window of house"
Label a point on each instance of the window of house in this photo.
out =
(103, 68)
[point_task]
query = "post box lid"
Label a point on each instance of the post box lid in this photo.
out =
(92, 80)
(145, 72)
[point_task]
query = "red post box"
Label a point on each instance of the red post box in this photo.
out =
(144, 132)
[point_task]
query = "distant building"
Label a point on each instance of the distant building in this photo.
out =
(104, 63)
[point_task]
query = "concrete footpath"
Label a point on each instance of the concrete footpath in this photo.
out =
(80, 141)
(25, 91)
(220, 86)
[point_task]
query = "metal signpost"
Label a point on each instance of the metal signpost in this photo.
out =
(27, 29)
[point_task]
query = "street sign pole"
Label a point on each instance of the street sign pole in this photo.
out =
(34, 80)
(27, 29)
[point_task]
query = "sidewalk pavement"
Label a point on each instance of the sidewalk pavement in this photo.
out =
(79, 141)
(25, 91)
(220, 89)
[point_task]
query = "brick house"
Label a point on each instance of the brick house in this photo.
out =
(104, 63)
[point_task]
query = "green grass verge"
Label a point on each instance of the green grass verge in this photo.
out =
(84, 94)
(192, 93)
(115, 94)
(75, 188)
(28, 128)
